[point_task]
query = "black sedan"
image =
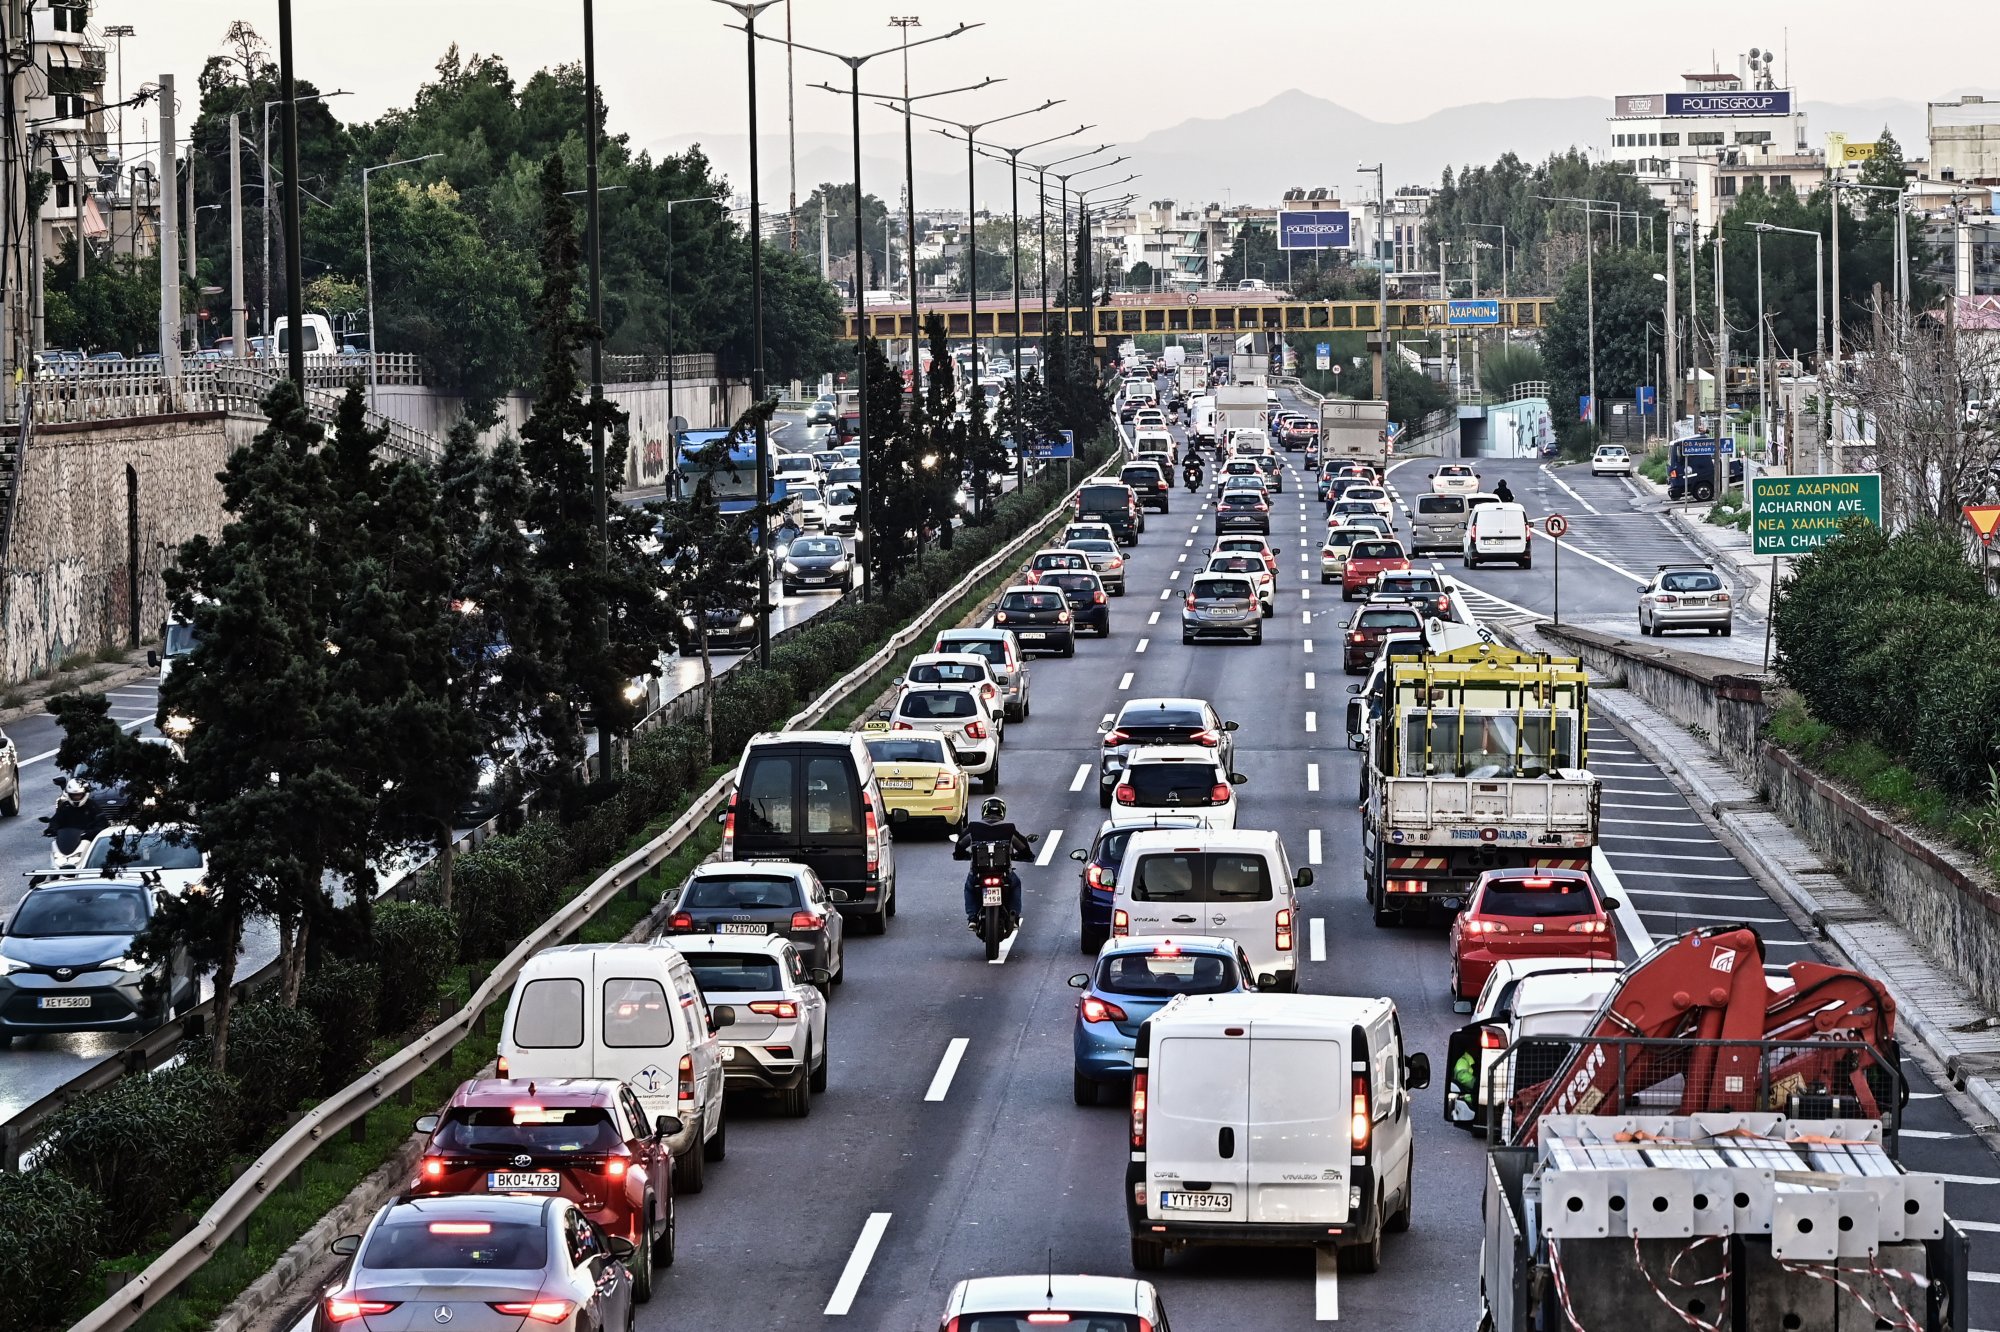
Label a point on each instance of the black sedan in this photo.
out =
(731, 628)
(1088, 607)
(1039, 618)
(816, 564)
(1243, 511)
(760, 898)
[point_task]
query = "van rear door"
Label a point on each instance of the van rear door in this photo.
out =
(1196, 1151)
(643, 1022)
(1240, 901)
(767, 823)
(834, 839)
(1300, 1099)
(1167, 892)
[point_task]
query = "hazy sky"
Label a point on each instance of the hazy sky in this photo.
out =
(671, 69)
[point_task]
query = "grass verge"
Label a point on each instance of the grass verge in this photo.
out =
(1878, 776)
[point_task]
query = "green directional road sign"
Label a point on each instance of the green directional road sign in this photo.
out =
(1790, 515)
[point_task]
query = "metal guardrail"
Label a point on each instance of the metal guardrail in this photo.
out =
(249, 1190)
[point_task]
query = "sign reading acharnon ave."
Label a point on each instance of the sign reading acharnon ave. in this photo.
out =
(1790, 515)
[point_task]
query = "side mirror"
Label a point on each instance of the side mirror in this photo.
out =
(1078, 981)
(1613, 904)
(1355, 688)
(346, 1246)
(621, 1248)
(1079, 855)
(820, 976)
(897, 681)
(1104, 728)
(1303, 878)
(666, 1126)
(722, 816)
(1417, 1071)
(1229, 726)
(1237, 779)
(427, 1124)
(153, 659)
(722, 1015)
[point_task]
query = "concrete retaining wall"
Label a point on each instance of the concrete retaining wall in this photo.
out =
(64, 584)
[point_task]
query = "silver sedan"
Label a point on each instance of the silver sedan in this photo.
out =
(1685, 597)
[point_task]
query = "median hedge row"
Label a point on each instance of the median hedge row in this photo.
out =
(125, 1167)
(1896, 641)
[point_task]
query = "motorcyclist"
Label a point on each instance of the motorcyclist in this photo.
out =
(992, 827)
(1502, 493)
(1191, 471)
(77, 808)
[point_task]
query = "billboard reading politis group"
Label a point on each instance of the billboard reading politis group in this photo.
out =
(1768, 102)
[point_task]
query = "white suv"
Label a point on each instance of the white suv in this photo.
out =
(1454, 479)
(1611, 460)
(1176, 779)
(959, 713)
(777, 1044)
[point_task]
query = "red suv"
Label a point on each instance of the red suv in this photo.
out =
(1367, 558)
(1370, 625)
(1519, 913)
(585, 1139)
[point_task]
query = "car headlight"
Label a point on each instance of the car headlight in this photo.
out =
(10, 965)
(126, 963)
(687, 623)
(790, 567)
(840, 567)
(747, 622)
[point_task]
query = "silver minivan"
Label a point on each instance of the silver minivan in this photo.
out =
(1438, 521)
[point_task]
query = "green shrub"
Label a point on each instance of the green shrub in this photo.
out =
(145, 1145)
(343, 996)
(496, 900)
(668, 763)
(47, 1246)
(415, 945)
(274, 1055)
(1956, 738)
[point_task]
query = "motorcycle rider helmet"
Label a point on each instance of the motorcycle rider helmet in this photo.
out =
(993, 810)
(75, 791)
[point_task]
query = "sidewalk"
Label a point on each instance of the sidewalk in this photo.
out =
(1961, 1037)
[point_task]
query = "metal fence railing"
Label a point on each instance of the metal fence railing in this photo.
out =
(241, 1199)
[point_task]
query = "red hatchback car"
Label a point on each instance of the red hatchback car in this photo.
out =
(585, 1139)
(1365, 559)
(1522, 913)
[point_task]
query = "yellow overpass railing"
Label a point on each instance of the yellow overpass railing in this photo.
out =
(1171, 314)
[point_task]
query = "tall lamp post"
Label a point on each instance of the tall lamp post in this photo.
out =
(748, 10)
(1012, 156)
(864, 522)
(1042, 210)
(1083, 212)
(1590, 209)
(1063, 178)
(1819, 301)
(264, 166)
(1381, 358)
(368, 262)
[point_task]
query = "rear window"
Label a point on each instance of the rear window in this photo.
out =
(765, 801)
(1409, 583)
(1172, 783)
(1031, 601)
(1237, 564)
(1538, 897)
(1242, 499)
(1221, 589)
(527, 1127)
(1219, 876)
(947, 672)
(1451, 504)
(1167, 878)
(746, 890)
(636, 1014)
(1104, 497)
(832, 804)
(150, 850)
(1145, 718)
(736, 973)
(1690, 582)
(992, 649)
(550, 1015)
(1379, 619)
(1142, 473)
(1073, 582)
(1377, 550)
(507, 1246)
(936, 704)
(1058, 560)
(1236, 877)
(925, 750)
(1154, 975)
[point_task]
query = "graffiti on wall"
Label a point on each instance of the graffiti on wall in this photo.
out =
(652, 460)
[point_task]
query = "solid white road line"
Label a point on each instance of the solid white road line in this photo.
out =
(1154, 618)
(1654, 837)
(1125, 681)
(1656, 855)
(1082, 776)
(1548, 472)
(1326, 1285)
(1313, 848)
(1984, 1227)
(1654, 823)
(1939, 1135)
(1140, 646)
(856, 1270)
(1316, 939)
(1050, 842)
(1312, 681)
(1698, 897)
(1594, 559)
(954, 1051)
(1680, 874)
(1964, 1179)
(1636, 933)
(1681, 917)
(46, 755)
(1312, 776)
(1312, 721)
(1006, 948)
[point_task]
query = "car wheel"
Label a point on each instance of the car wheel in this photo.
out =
(1726, 630)
(1364, 1259)
(717, 1147)
(641, 1266)
(817, 1078)
(1069, 648)
(796, 1102)
(991, 782)
(1103, 791)
(1027, 706)
(1148, 1255)
(1269, 611)
(1257, 639)
(889, 907)
(1324, 579)
(11, 806)
(690, 1167)
(1091, 938)
(1082, 1090)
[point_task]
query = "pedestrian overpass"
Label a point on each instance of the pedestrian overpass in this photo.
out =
(1171, 313)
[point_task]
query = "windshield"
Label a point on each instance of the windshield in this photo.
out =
(181, 640)
(736, 973)
(906, 751)
(820, 546)
(61, 913)
(146, 850)
(1538, 897)
(1486, 744)
(1153, 975)
(508, 1246)
(526, 1127)
(760, 890)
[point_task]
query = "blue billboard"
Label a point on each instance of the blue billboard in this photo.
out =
(1331, 230)
(1774, 102)
(1062, 444)
(1459, 314)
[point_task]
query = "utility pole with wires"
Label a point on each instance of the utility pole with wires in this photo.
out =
(792, 136)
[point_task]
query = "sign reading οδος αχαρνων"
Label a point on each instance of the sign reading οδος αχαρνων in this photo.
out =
(1790, 515)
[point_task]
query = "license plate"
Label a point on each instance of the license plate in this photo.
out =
(66, 1001)
(991, 896)
(1032, 634)
(523, 1181)
(1195, 1202)
(897, 784)
(742, 929)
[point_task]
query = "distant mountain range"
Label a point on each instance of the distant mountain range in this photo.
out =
(1254, 156)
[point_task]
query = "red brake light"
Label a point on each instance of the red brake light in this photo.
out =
(1591, 927)
(945, 782)
(686, 1079)
(1125, 795)
(1121, 924)
(1205, 737)
(433, 1167)
(680, 920)
(1097, 597)
(1048, 1318)
(728, 846)
(1062, 617)
(1097, 1010)
(975, 730)
(461, 1228)
(1120, 737)
(872, 829)
(1190, 601)
(1359, 1126)
(1489, 1039)
(616, 1167)
(805, 920)
(1538, 883)
(340, 1309)
(1219, 794)
(901, 726)
(541, 1311)
(1485, 927)
(778, 1008)
(1139, 1110)
(1284, 929)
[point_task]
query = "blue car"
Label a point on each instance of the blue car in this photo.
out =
(1100, 873)
(1132, 980)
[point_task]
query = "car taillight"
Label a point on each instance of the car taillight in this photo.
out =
(988, 692)
(340, 1309)
(1358, 1127)
(500, 1067)
(680, 921)
(541, 1311)
(1096, 877)
(729, 831)
(1097, 598)
(1062, 617)
(1284, 929)
(1591, 927)
(975, 730)
(616, 1166)
(777, 1008)
(1096, 1010)
(1219, 794)
(1666, 599)
(1489, 1039)
(1125, 795)
(1000, 617)
(1121, 924)
(1190, 601)
(686, 1078)
(1721, 596)
(901, 726)
(945, 782)
(1357, 637)
(1139, 1111)
(1117, 562)
(1485, 927)
(1444, 605)
(1208, 738)
(433, 1167)
(805, 920)
(1034, 576)
(1120, 737)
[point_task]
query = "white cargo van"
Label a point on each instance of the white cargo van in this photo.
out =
(1497, 532)
(1271, 1119)
(1201, 418)
(631, 1012)
(1237, 883)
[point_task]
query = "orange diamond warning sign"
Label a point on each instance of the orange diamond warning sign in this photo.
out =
(1984, 519)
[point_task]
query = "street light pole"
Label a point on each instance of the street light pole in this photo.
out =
(368, 262)
(264, 168)
(1382, 288)
(1062, 221)
(1042, 204)
(294, 297)
(1013, 158)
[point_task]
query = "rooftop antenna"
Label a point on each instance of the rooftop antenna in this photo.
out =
(1051, 1292)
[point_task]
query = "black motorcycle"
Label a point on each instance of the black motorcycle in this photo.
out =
(992, 862)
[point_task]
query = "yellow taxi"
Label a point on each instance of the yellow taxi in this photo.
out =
(918, 776)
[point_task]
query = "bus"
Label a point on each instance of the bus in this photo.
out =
(733, 480)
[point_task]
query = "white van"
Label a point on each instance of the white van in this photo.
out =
(630, 1011)
(1237, 883)
(1271, 1119)
(1201, 418)
(1497, 532)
